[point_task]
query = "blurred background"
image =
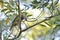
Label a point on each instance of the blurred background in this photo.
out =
(40, 20)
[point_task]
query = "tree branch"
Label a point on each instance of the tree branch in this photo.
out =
(48, 18)
(13, 22)
(19, 18)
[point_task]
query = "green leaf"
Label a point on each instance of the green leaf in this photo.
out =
(24, 13)
(9, 11)
(6, 2)
(10, 7)
(29, 15)
(3, 10)
(42, 25)
(12, 2)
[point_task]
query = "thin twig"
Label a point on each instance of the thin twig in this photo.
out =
(13, 22)
(19, 18)
(48, 24)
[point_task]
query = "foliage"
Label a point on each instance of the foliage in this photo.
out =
(46, 23)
